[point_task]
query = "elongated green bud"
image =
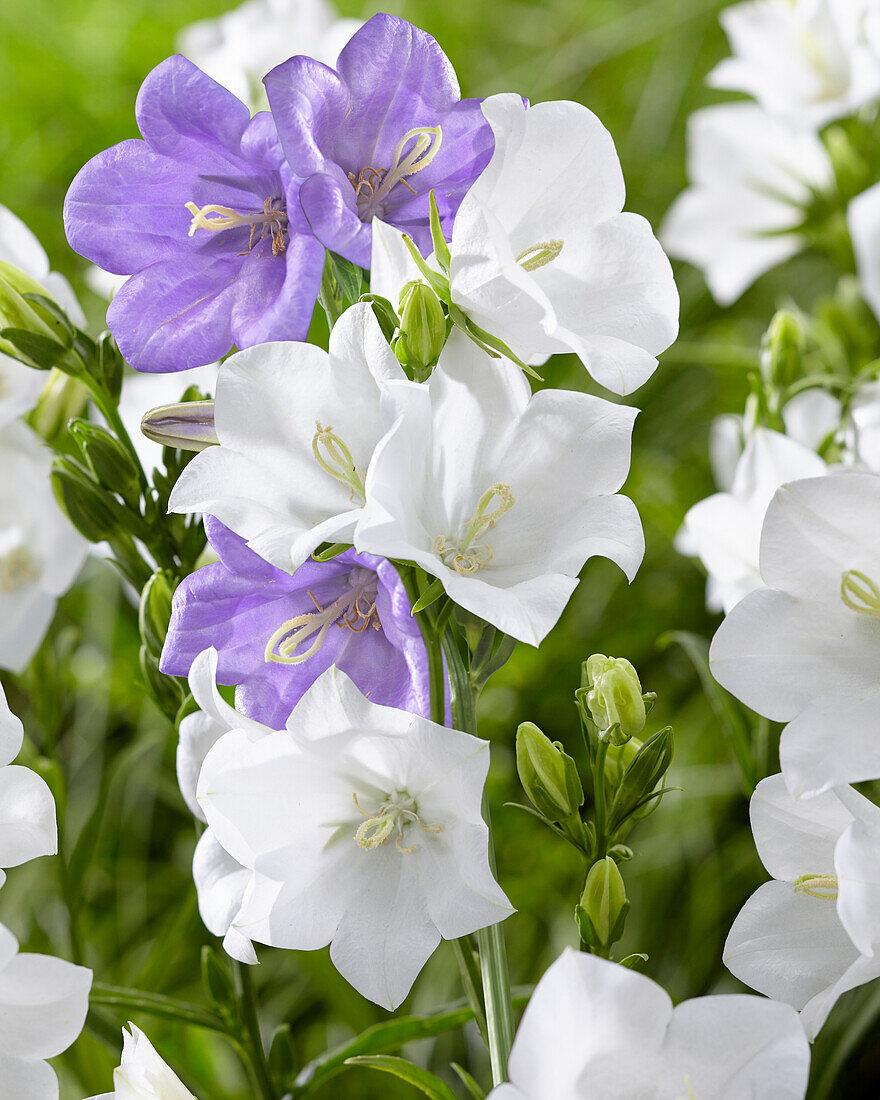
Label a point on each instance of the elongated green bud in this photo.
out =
(30, 332)
(186, 425)
(648, 767)
(92, 510)
(155, 612)
(618, 759)
(108, 460)
(601, 915)
(549, 776)
(422, 327)
(783, 348)
(614, 697)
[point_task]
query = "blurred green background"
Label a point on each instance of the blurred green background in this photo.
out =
(69, 73)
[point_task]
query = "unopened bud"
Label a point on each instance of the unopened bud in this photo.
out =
(34, 334)
(93, 512)
(614, 697)
(648, 767)
(188, 425)
(61, 398)
(108, 460)
(165, 690)
(548, 775)
(422, 327)
(618, 759)
(155, 612)
(783, 348)
(601, 915)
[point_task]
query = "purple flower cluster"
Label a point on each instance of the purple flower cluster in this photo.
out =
(222, 220)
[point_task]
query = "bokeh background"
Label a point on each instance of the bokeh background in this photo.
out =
(121, 897)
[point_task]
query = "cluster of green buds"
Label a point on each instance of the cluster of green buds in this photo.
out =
(594, 806)
(422, 331)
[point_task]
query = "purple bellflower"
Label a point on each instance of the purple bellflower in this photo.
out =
(375, 137)
(276, 633)
(203, 215)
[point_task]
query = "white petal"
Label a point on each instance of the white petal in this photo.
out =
(35, 1080)
(863, 217)
(220, 884)
(11, 732)
(27, 817)
(43, 1005)
(793, 836)
(831, 742)
(857, 864)
(811, 416)
(788, 945)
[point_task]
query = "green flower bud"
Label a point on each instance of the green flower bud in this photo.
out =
(155, 612)
(783, 348)
(108, 460)
(61, 398)
(618, 759)
(93, 511)
(422, 327)
(648, 767)
(165, 690)
(38, 337)
(601, 915)
(187, 425)
(614, 697)
(549, 776)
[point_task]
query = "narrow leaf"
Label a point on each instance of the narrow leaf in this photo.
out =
(425, 1082)
(469, 1083)
(431, 594)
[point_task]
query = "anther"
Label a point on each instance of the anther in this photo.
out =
(859, 592)
(539, 255)
(823, 887)
(373, 185)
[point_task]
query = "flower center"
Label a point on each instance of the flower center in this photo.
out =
(393, 816)
(823, 887)
(18, 568)
(690, 1089)
(216, 219)
(354, 610)
(539, 255)
(859, 592)
(466, 554)
(334, 457)
(373, 185)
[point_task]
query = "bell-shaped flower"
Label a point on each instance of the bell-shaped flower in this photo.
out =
(220, 880)
(40, 551)
(20, 385)
(500, 495)
(863, 218)
(297, 428)
(276, 633)
(143, 1074)
(202, 214)
(808, 61)
(28, 827)
(724, 530)
(373, 138)
(805, 650)
(239, 47)
(813, 933)
(43, 1006)
(752, 178)
(361, 827)
(594, 1028)
(555, 266)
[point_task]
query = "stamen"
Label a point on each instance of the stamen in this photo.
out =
(397, 812)
(18, 568)
(539, 255)
(373, 185)
(217, 219)
(347, 612)
(823, 887)
(859, 592)
(466, 556)
(336, 460)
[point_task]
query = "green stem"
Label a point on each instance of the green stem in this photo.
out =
(252, 1039)
(599, 799)
(493, 955)
(433, 648)
(155, 1004)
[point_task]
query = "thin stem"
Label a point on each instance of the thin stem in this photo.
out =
(599, 798)
(433, 649)
(252, 1039)
(493, 955)
(156, 1004)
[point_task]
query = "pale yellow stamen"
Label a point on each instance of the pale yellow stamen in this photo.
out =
(539, 255)
(823, 887)
(217, 219)
(373, 185)
(18, 568)
(397, 812)
(466, 554)
(859, 592)
(333, 456)
(354, 610)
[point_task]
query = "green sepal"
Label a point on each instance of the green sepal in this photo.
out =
(216, 979)
(437, 282)
(431, 594)
(475, 1090)
(330, 551)
(37, 351)
(441, 248)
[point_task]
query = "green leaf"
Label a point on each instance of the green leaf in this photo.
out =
(474, 1089)
(40, 352)
(729, 712)
(155, 1004)
(419, 1078)
(441, 248)
(431, 594)
(333, 550)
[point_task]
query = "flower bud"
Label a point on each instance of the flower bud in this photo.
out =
(648, 767)
(422, 327)
(108, 460)
(188, 425)
(549, 776)
(40, 340)
(155, 612)
(93, 512)
(783, 348)
(618, 759)
(614, 697)
(601, 915)
(165, 690)
(62, 398)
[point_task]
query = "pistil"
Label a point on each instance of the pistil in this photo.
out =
(333, 456)
(823, 887)
(466, 554)
(539, 255)
(373, 185)
(217, 219)
(860, 593)
(354, 610)
(395, 813)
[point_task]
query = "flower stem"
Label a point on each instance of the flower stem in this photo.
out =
(252, 1040)
(493, 955)
(599, 799)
